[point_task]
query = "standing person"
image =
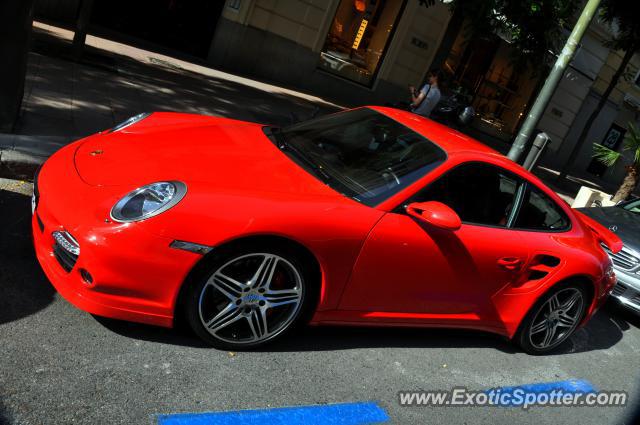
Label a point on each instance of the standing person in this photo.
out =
(423, 102)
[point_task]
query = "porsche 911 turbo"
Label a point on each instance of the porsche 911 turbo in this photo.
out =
(371, 216)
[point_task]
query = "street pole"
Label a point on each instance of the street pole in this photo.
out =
(553, 80)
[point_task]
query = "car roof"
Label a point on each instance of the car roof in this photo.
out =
(452, 141)
(459, 146)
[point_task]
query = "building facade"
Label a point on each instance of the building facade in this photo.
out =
(359, 52)
(353, 51)
(609, 128)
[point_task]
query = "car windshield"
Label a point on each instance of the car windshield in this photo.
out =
(632, 206)
(363, 153)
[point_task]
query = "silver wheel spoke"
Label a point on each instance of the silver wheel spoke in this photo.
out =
(548, 337)
(554, 304)
(258, 323)
(565, 320)
(227, 316)
(231, 288)
(571, 302)
(539, 327)
(264, 274)
(276, 298)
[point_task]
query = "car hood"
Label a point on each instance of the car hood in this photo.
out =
(627, 223)
(222, 153)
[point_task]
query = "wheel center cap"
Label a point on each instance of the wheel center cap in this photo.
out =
(252, 298)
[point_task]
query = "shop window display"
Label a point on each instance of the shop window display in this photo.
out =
(358, 38)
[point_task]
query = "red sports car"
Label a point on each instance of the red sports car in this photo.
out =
(372, 216)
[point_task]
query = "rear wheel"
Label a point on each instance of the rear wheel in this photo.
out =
(250, 297)
(553, 319)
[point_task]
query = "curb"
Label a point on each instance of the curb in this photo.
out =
(20, 155)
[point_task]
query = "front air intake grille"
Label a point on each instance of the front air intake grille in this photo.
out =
(66, 259)
(625, 259)
(619, 289)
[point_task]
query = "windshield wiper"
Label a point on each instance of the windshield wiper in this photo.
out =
(283, 144)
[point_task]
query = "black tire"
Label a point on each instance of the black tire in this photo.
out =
(523, 337)
(309, 280)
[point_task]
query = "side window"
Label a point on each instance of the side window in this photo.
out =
(539, 212)
(479, 193)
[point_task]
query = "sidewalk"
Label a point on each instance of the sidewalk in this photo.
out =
(115, 81)
(20, 155)
(66, 100)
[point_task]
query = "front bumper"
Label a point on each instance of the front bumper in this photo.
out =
(135, 275)
(627, 290)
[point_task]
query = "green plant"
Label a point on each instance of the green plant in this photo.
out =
(609, 157)
(533, 27)
(624, 25)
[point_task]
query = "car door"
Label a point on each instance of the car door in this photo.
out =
(409, 271)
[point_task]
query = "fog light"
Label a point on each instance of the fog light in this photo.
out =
(86, 276)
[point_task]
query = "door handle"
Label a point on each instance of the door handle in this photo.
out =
(510, 263)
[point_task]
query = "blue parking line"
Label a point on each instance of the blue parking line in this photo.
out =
(339, 414)
(569, 386)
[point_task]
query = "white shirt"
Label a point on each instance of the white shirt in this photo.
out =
(432, 97)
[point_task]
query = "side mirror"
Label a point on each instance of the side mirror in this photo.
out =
(436, 214)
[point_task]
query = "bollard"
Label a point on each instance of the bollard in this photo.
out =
(539, 144)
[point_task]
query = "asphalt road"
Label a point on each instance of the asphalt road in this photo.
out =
(60, 365)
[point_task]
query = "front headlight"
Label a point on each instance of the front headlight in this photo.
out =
(148, 201)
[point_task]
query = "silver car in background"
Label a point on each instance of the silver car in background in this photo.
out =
(624, 220)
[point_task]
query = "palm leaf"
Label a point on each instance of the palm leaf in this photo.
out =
(605, 155)
(632, 142)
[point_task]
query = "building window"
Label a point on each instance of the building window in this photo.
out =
(358, 38)
(637, 80)
(483, 69)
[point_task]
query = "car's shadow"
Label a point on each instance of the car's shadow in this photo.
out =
(24, 289)
(324, 338)
(178, 336)
(605, 330)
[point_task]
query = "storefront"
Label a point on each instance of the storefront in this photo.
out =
(354, 51)
(484, 69)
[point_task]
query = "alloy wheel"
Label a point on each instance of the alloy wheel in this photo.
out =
(251, 298)
(556, 319)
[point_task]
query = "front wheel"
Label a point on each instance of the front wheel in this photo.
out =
(553, 319)
(250, 297)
